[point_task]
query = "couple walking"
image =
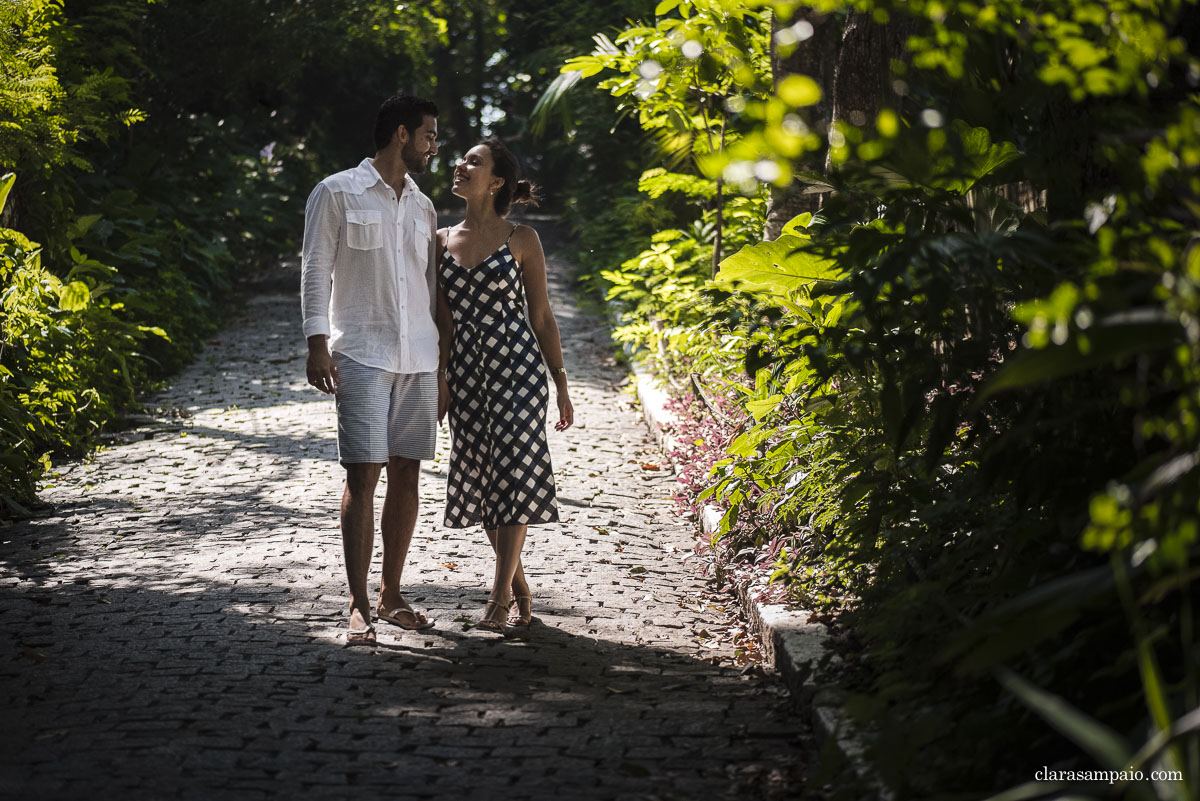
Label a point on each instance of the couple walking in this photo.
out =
(407, 323)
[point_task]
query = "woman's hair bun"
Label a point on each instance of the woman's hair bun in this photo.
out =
(525, 192)
(506, 167)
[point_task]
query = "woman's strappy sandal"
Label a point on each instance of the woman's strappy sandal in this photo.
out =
(490, 624)
(520, 611)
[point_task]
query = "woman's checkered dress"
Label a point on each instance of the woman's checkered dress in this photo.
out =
(500, 472)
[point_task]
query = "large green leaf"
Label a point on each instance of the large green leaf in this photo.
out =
(6, 184)
(980, 157)
(798, 225)
(776, 268)
(74, 296)
(762, 407)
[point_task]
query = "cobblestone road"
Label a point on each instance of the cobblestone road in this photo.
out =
(172, 626)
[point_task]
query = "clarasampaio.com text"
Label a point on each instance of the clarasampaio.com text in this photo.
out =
(1110, 776)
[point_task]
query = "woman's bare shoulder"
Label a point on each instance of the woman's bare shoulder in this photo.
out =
(525, 238)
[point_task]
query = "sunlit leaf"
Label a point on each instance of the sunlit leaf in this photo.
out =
(74, 296)
(6, 184)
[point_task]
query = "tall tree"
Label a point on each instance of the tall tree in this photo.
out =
(804, 44)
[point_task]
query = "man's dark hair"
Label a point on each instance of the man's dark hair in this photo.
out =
(400, 110)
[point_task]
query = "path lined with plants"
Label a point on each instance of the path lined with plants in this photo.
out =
(174, 621)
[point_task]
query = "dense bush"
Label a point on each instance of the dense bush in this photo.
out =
(971, 375)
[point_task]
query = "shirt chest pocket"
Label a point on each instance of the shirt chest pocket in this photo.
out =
(364, 229)
(420, 240)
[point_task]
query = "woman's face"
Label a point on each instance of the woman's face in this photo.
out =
(473, 176)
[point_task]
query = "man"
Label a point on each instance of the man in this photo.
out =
(368, 297)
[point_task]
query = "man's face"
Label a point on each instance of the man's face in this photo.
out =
(421, 146)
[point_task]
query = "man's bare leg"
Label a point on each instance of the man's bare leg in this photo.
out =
(399, 521)
(358, 536)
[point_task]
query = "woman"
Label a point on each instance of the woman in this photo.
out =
(492, 359)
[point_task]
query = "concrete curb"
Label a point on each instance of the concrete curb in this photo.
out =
(654, 406)
(792, 642)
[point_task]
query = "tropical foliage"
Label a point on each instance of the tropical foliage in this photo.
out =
(967, 428)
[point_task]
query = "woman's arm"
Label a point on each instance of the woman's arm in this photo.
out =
(445, 327)
(527, 248)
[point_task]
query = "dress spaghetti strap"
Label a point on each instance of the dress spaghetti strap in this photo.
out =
(515, 226)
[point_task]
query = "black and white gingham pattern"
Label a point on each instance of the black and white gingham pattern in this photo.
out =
(500, 473)
(383, 414)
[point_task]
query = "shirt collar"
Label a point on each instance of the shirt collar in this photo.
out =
(410, 186)
(366, 176)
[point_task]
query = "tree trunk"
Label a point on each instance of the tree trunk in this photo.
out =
(861, 79)
(815, 57)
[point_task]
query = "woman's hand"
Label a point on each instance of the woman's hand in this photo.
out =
(443, 402)
(566, 413)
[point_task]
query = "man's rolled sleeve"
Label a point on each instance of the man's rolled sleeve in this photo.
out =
(322, 230)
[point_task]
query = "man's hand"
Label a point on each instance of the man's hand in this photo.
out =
(321, 372)
(443, 396)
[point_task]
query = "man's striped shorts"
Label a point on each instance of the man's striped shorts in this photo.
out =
(382, 414)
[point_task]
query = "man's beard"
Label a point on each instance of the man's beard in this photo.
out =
(412, 159)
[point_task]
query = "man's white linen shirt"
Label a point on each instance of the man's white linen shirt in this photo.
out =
(368, 278)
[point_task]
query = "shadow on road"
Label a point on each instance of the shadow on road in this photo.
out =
(117, 690)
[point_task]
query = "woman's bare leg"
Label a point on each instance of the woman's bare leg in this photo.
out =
(508, 543)
(520, 586)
